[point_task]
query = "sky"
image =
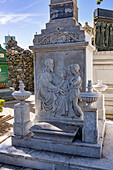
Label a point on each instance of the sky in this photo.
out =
(23, 18)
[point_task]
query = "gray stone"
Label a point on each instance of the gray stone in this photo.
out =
(68, 51)
(49, 161)
(64, 43)
(90, 129)
(77, 147)
(55, 131)
(21, 119)
(63, 64)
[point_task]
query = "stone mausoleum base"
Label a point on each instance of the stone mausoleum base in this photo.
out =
(61, 144)
(46, 160)
(6, 93)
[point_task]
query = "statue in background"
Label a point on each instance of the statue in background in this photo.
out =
(97, 36)
(107, 35)
(111, 36)
(102, 35)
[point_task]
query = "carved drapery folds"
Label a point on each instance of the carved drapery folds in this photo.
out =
(58, 38)
(104, 36)
(58, 92)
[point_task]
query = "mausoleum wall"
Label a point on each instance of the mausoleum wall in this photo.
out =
(103, 70)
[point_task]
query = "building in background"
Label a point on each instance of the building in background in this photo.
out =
(103, 23)
(7, 38)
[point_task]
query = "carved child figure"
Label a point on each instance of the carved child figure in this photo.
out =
(63, 84)
(75, 85)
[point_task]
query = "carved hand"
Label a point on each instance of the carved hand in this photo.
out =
(62, 92)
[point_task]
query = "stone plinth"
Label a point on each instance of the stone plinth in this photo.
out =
(90, 130)
(21, 120)
(77, 147)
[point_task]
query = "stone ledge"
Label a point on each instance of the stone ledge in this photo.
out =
(76, 148)
(47, 47)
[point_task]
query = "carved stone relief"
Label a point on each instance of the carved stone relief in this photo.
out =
(58, 37)
(104, 36)
(58, 92)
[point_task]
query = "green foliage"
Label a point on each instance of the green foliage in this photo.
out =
(1, 104)
(99, 2)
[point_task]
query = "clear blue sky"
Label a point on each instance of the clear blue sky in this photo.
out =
(22, 18)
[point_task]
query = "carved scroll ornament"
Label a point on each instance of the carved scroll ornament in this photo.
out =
(57, 38)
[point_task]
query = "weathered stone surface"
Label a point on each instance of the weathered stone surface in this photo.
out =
(90, 129)
(21, 119)
(66, 55)
(77, 147)
(21, 66)
(47, 160)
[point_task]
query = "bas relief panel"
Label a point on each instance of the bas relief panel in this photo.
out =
(58, 37)
(58, 92)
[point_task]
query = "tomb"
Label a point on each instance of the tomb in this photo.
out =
(63, 65)
(64, 125)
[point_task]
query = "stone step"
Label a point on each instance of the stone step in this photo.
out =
(55, 131)
(42, 160)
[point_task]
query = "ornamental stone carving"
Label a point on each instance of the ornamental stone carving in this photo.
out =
(58, 38)
(58, 92)
(104, 36)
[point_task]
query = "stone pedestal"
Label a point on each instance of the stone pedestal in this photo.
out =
(90, 129)
(21, 119)
(100, 106)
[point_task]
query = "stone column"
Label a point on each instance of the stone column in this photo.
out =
(90, 129)
(22, 121)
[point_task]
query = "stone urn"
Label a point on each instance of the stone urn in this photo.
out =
(21, 95)
(89, 97)
(99, 87)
